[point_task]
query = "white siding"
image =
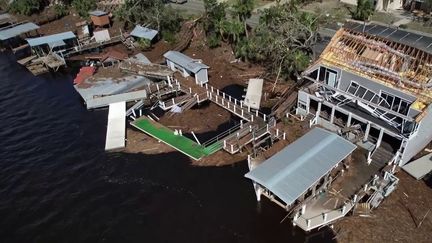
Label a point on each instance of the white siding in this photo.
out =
(423, 136)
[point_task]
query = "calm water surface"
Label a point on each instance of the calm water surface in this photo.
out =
(58, 185)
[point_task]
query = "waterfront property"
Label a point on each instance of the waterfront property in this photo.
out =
(12, 36)
(374, 88)
(45, 52)
(187, 66)
(320, 178)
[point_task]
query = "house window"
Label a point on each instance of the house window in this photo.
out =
(328, 76)
(395, 103)
(302, 105)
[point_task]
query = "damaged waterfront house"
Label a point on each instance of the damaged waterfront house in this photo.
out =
(371, 90)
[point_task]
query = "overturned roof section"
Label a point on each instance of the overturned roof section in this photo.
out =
(181, 59)
(6, 18)
(144, 32)
(52, 40)
(293, 170)
(419, 167)
(385, 61)
(16, 30)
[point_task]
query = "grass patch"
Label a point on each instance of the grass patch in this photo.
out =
(382, 17)
(336, 10)
(415, 25)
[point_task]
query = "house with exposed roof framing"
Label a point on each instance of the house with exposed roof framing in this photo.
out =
(374, 84)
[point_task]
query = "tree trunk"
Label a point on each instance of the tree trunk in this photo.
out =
(277, 76)
(246, 30)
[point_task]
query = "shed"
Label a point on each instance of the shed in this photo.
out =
(55, 40)
(144, 32)
(187, 66)
(419, 167)
(254, 93)
(99, 18)
(16, 30)
(294, 170)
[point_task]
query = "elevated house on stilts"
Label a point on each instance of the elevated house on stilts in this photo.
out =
(371, 90)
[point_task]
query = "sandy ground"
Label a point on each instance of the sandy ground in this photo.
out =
(397, 219)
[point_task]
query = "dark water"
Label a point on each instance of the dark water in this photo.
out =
(58, 185)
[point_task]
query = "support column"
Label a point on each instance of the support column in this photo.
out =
(366, 132)
(318, 111)
(349, 119)
(332, 115)
(381, 134)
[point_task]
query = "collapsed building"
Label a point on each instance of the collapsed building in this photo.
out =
(380, 85)
(370, 90)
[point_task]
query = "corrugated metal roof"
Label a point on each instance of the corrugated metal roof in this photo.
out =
(56, 44)
(98, 13)
(184, 61)
(144, 32)
(17, 30)
(293, 170)
(56, 38)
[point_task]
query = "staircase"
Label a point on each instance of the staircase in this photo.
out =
(381, 157)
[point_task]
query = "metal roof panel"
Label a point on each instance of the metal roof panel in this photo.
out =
(293, 170)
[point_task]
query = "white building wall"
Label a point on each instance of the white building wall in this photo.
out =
(420, 139)
(380, 4)
(201, 77)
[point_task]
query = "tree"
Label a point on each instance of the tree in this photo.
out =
(83, 6)
(213, 21)
(363, 10)
(243, 9)
(283, 40)
(149, 13)
(26, 7)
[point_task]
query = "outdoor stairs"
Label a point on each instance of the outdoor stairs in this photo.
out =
(381, 157)
(189, 104)
(251, 132)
